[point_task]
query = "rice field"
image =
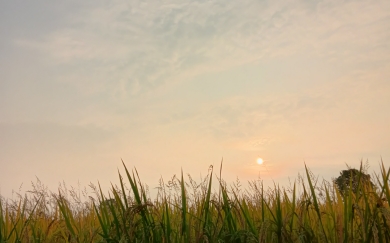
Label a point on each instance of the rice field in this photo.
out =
(209, 211)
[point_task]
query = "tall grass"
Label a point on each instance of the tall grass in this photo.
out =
(187, 211)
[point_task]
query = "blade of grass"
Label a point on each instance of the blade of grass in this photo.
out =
(138, 200)
(167, 221)
(293, 208)
(244, 209)
(315, 201)
(68, 217)
(206, 211)
(183, 207)
(123, 189)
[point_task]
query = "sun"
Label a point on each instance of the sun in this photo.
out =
(260, 161)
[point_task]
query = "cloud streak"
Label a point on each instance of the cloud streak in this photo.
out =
(187, 38)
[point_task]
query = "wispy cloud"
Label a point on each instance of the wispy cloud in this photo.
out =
(149, 44)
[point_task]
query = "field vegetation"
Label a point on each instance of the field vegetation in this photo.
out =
(344, 210)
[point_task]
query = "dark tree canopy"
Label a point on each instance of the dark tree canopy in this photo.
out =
(349, 179)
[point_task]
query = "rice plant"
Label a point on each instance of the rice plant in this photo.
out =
(209, 211)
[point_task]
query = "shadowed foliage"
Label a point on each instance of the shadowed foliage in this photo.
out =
(353, 179)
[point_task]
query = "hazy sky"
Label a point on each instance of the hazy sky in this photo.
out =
(173, 84)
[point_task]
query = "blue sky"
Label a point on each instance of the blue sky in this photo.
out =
(166, 85)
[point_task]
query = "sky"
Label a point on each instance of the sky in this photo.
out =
(173, 85)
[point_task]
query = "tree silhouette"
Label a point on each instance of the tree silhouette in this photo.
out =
(353, 179)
